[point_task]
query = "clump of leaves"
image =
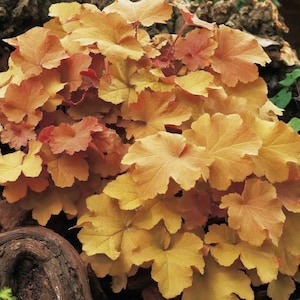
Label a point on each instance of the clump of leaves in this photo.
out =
(6, 294)
(166, 149)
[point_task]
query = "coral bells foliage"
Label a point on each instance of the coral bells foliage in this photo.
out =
(166, 148)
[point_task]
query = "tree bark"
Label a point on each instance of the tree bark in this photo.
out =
(39, 264)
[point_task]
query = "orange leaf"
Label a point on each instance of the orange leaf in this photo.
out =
(153, 111)
(17, 135)
(256, 214)
(71, 138)
(195, 49)
(71, 67)
(65, 168)
(236, 56)
(16, 190)
(162, 156)
(281, 145)
(195, 208)
(228, 142)
(33, 96)
(47, 52)
(143, 12)
(116, 40)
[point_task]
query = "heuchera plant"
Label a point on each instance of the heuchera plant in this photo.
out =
(165, 148)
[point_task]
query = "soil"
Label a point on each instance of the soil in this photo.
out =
(30, 277)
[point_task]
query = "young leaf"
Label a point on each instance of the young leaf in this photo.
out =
(256, 214)
(236, 56)
(195, 49)
(162, 156)
(142, 12)
(71, 138)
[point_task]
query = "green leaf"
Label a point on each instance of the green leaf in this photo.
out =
(290, 78)
(282, 98)
(295, 124)
(6, 294)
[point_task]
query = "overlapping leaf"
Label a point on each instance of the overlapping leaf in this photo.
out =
(236, 56)
(228, 143)
(228, 248)
(153, 112)
(116, 40)
(47, 52)
(219, 282)
(33, 96)
(162, 156)
(158, 11)
(256, 214)
(169, 269)
(281, 145)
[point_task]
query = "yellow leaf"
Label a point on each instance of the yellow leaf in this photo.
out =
(161, 208)
(219, 283)
(65, 168)
(162, 156)
(125, 189)
(173, 258)
(256, 214)
(109, 230)
(281, 288)
(11, 166)
(227, 248)
(143, 12)
(228, 141)
(196, 83)
(116, 87)
(32, 163)
(281, 145)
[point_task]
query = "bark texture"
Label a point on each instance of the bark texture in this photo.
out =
(39, 264)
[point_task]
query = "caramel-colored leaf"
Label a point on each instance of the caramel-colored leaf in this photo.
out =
(256, 214)
(162, 156)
